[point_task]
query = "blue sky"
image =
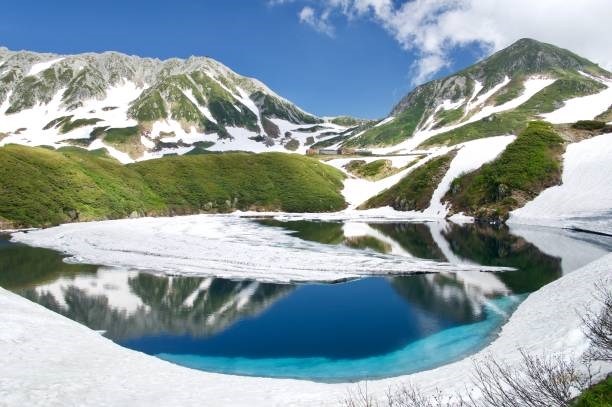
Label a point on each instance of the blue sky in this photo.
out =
(349, 57)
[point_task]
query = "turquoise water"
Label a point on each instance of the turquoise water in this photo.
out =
(367, 328)
(435, 350)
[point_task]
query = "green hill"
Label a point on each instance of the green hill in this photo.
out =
(42, 187)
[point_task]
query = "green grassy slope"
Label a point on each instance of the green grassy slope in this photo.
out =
(414, 191)
(43, 187)
(528, 165)
(271, 181)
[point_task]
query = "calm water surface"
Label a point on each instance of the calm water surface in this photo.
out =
(367, 328)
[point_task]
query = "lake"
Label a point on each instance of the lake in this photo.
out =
(364, 328)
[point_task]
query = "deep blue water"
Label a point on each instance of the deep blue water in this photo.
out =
(367, 328)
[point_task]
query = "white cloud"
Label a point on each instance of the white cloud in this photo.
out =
(433, 28)
(319, 22)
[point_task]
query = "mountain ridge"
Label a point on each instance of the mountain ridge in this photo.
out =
(494, 81)
(173, 103)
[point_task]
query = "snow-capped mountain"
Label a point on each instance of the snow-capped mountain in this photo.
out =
(143, 108)
(497, 96)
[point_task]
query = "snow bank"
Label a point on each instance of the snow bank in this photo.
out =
(582, 108)
(48, 360)
(358, 190)
(196, 245)
(584, 200)
(470, 156)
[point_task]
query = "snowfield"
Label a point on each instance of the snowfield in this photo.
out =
(584, 200)
(48, 360)
(192, 244)
(583, 108)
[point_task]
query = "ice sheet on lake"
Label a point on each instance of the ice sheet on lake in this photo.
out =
(223, 246)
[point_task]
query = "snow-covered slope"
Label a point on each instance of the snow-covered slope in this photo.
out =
(159, 107)
(584, 199)
(497, 96)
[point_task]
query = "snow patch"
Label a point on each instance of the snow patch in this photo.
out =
(41, 66)
(470, 156)
(385, 121)
(582, 108)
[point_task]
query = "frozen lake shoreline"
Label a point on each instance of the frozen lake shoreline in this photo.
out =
(193, 245)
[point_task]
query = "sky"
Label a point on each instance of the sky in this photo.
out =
(331, 57)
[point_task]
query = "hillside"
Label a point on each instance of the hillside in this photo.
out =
(42, 187)
(496, 96)
(139, 108)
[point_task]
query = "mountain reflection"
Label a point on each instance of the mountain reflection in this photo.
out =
(127, 304)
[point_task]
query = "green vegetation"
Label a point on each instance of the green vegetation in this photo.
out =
(270, 128)
(520, 61)
(66, 124)
(368, 242)
(149, 107)
(495, 125)
(347, 121)
(222, 182)
(511, 91)
(598, 395)
(201, 147)
(292, 145)
(589, 125)
(168, 98)
(42, 187)
(447, 117)
(275, 108)
(414, 191)
(372, 171)
(311, 129)
(528, 165)
(72, 125)
(57, 122)
(395, 131)
(329, 142)
(125, 139)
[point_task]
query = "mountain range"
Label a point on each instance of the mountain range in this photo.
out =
(144, 108)
(482, 142)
